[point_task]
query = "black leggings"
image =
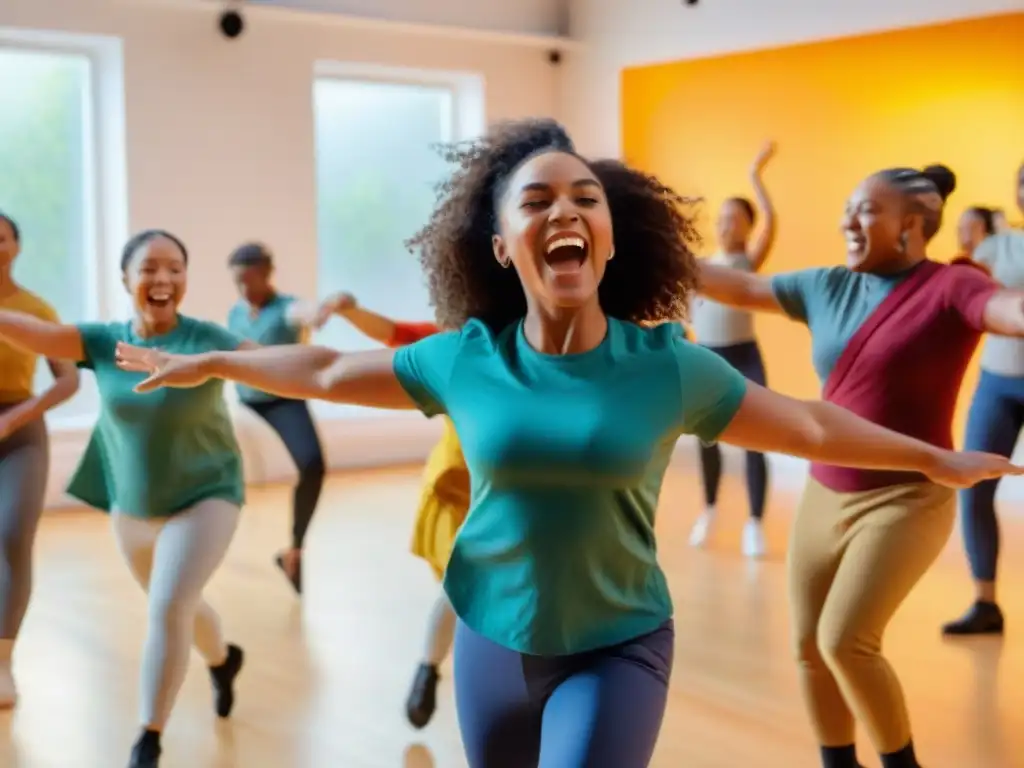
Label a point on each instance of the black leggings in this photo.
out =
(294, 425)
(745, 358)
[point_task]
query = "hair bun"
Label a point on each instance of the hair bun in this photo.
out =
(942, 177)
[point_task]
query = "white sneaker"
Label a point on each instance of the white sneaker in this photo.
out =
(8, 692)
(702, 528)
(753, 539)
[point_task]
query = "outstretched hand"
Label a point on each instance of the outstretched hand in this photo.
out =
(968, 468)
(162, 369)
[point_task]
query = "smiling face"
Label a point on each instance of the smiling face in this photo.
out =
(156, 276)
(556, 230)
(874, 224)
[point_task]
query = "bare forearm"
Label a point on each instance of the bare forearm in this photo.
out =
(833, 435)
(292, 371)
(379, 328)
(62, 389)
(42, 337)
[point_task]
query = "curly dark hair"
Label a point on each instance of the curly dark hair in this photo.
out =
(650, 280)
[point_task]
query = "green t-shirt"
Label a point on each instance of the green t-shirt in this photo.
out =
(566, 455)
(161, 452)
(270, 326)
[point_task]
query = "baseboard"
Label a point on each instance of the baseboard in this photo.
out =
(390, 439)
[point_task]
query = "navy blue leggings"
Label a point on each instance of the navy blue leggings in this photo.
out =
(993, 425)
(293, 423)
(600, 709)
(745, 358)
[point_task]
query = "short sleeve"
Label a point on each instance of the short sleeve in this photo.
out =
(711, 391)
(220, 338)
(795, 290)
(410, 333)
(99, 342)
(968, 293)
(987, 251)
(424, 370)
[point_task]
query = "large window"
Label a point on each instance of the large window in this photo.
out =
(377, 169)
(46, 176)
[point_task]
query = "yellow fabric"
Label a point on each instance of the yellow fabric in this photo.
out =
(18, 367)
(444, 502)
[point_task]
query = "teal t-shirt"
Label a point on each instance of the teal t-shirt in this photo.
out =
(158, 453)
(833, 302)
(566, 455)
(271, 326)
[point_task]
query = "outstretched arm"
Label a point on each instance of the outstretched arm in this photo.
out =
(65, 384)
(735, 288)
(51, 340)
(769, 422)
(296, 371)
(1004, 313)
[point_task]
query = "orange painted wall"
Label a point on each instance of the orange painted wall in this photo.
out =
(838, 109)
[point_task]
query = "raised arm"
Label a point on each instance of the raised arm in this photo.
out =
(769, 422)
(766, 238)
(296, 371)
(735, 288)
(51, 340)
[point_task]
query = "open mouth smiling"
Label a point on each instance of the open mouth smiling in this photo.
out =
(565, 253)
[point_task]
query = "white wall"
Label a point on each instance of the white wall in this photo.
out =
(219, 138)
(614, 35)
(619, 34)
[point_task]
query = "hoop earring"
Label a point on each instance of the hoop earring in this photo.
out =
(505, 263)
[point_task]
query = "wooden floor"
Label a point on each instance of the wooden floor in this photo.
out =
(326, 679)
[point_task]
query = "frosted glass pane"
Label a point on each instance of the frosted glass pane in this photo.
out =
(377, 169)
(44, 141)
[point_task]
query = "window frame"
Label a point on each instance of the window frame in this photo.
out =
(104, 176)
(466, 121)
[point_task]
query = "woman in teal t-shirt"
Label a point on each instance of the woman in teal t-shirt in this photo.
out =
(568, 389)
(165, 465)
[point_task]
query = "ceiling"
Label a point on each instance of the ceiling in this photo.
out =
(534, 17)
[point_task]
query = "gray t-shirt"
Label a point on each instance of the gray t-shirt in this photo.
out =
(1003, 254)
(716, 325)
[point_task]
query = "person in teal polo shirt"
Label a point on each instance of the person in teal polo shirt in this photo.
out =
(167, 468)
(267, 317)
(568, 387)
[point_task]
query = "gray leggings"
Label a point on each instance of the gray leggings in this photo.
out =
(24, 467)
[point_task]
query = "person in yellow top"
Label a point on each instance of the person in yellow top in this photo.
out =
(444, 504)
(24, 454)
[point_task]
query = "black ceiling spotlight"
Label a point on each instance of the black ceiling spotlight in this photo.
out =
(231, 22)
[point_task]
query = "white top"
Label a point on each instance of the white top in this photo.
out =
(1003, 254)
(716, 325)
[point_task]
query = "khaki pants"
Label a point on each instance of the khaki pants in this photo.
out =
(853, 559)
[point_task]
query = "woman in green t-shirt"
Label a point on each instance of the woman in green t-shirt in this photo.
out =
(166, 467)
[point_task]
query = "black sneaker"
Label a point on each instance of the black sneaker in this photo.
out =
(223, 679)
(982, 618)
(146, 752)
(296, 580)
(422, 701)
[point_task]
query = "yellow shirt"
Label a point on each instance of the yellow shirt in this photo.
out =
(446, 474)
(18, 367)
